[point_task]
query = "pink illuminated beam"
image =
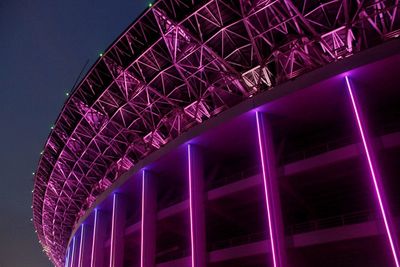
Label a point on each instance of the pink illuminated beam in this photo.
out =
(73, 252)
(193, 249)
(196, 206)
(81, 246)
(68, 256)
(142, 222)
(264, 165)
(98, 238)
(148, 221)
(384, 211)
(113, 225)
(94, 238)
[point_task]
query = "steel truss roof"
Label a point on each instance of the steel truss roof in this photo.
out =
(179, 64)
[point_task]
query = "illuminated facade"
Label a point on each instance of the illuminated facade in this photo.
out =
(231, 133)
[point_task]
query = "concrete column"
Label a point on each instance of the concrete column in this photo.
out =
(374, 175)
(196, 206)
(117, 231)
(98, 238)
(84, 246)
(271, 189)
(148, 225)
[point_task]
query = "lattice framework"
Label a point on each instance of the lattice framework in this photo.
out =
(179, 64)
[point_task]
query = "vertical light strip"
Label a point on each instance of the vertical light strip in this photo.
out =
(68, 256)
(112, 250)
(142, 223)
(81, 246)
(73, 252)
(372, 170)
(94, 238)
(191, 203)
(267, 196)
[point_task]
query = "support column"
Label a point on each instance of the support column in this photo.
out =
(117, 231)
(84, 246)
(68, 257)
(98, 238)
(148, 224)
(271, 190)
(196, 206)
(376, 179)
(74, 253)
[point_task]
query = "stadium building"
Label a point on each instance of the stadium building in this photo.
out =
(236, 133)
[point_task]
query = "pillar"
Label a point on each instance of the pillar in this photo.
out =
(84, 246)
(74, 252)
(117, 230)
(68, 257)
(374, 175)
(196, 206)
(148, 224)
(98, 238)
(271, 190)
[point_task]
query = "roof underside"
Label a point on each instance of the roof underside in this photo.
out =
(179, 64)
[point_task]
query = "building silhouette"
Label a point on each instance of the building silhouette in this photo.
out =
(231, 133)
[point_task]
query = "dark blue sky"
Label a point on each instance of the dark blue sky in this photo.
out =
(43, 46)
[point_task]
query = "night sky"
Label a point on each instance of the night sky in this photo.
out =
(43, 46)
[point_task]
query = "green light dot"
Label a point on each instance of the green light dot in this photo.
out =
(150, 4)
(101, 54)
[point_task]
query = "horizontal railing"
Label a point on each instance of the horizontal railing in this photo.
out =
(334, 221)
(317, 149)
(239, 240)
(391, 125)
(170, 201)
(244, 174)
(310, 226)
(171, 254)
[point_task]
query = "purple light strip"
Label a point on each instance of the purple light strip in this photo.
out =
(73, 252)
(269, 208)
(383, 209)
(80, 259)
(112, 250)
(68, 256)
(94, 238)
(191, 203)
(142, 223)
